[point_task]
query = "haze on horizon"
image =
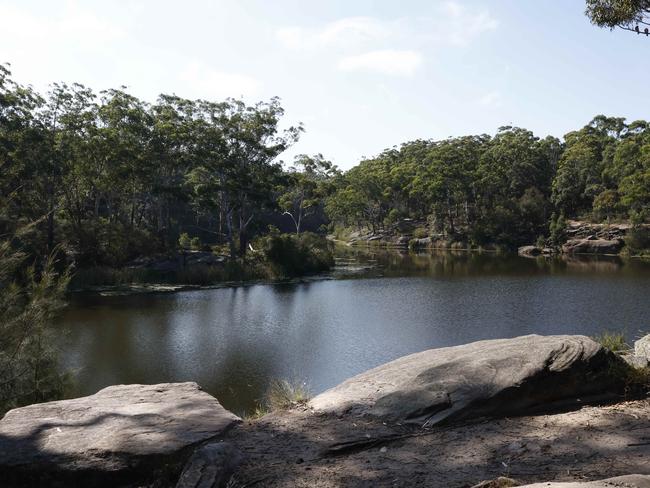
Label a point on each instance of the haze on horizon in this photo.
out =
(360, 77)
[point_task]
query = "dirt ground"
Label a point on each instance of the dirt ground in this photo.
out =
(303, 449)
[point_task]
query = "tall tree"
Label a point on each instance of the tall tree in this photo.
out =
(310, 181)
(240, 165)
(630, 15)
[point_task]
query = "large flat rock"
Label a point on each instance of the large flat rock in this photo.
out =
(484, 379)
(121, 434)
(630, 481)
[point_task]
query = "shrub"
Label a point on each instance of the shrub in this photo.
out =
(393, 216)
(605, 205)
(638, 237)
(420, 232)
(557, 230)
(29, 301)
(184, 241)
(291, 255)
(195, 243)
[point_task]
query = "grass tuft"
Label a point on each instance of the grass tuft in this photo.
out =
(614, 341)
(281, 395)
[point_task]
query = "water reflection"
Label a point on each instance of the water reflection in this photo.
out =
(233, 341)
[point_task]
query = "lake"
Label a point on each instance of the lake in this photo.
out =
(375, 307)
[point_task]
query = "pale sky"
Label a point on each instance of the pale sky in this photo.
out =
(361, 75)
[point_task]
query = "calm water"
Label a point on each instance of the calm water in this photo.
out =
(233, 341)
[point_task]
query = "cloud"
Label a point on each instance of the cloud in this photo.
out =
(452, 24)
(458, 25)
(388, 61)
(72, 23)
(206, 82)
(345, 32)
(492, 99)
(390, 47)
(60, 41)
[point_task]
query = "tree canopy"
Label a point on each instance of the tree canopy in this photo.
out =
(632, 15)
(107, 177)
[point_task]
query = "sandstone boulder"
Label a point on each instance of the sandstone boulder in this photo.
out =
(630, 481)
(402, 241)
(491, 378)
(121, 435)
(642, 348)
(211, 466)
(421, 243)
(529, 251)
(592, 246)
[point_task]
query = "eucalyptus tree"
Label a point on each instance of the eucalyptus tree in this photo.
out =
(22, 150)
(69, 116)
(584, 165)
(309, 183)
(173, 149)
(630, 15)
(444, 181)
(238, 147)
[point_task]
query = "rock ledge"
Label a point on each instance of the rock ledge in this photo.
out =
(122, 434)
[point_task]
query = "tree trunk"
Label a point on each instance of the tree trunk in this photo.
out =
(231, 237)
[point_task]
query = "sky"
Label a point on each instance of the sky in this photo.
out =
(361, 75)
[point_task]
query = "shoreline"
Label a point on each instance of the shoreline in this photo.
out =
(425, 419)
(137, 288)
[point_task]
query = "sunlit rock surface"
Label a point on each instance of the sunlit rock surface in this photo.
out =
(482, 379)
(630, 481)
(121, 434)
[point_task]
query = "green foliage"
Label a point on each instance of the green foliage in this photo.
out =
(637, 239)
(310, 182)
(627, 14)
(393, 216)
(501, 190)
(557, 230)
(614, 341)
(606, 204)
(475, 188)
(195, 243)
(30, 297)
(109, 177)
(420, 232)
(118, 178)
(291, 255)
(184, 241)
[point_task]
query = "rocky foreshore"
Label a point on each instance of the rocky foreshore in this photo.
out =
(586, 238)
(532, 409)
(582, 238)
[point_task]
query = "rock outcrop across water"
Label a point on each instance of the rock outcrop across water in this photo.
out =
(592, 246)
(492, 378)
(123, 434)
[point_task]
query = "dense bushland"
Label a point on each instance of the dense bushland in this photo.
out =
(109, 178)
(509, 189)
